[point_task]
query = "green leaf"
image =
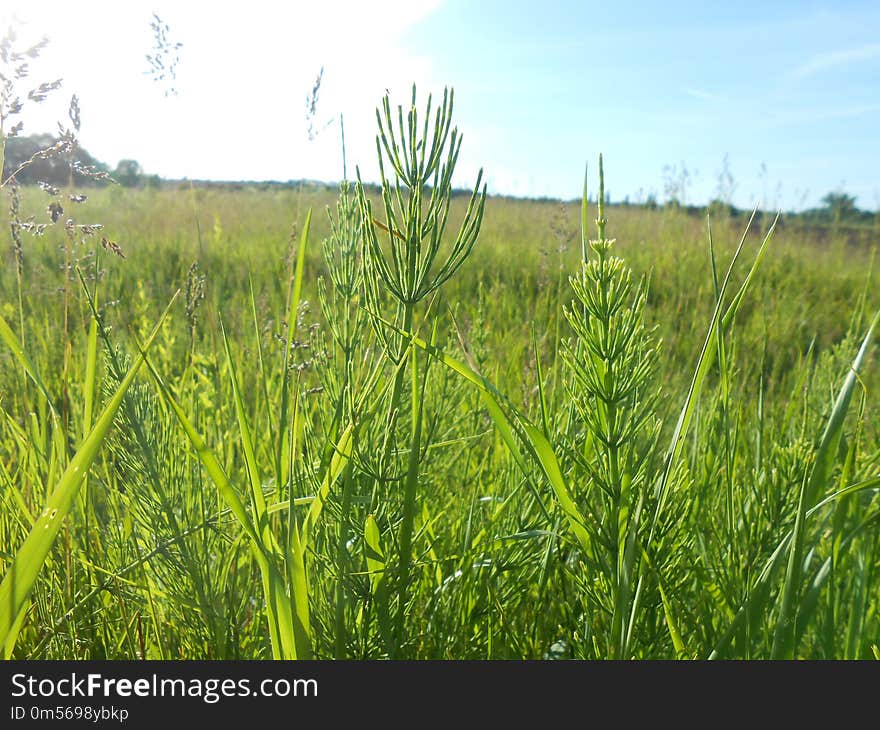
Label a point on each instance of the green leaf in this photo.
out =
(374, 554)
(209, 461)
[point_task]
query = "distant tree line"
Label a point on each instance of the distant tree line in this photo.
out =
(837, 208)
(54, 169)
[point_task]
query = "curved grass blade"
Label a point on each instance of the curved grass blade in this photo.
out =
(830, 440)
(341, 455)
(209, 460)
(760, 592)
(784, 638)
(22, 573)
(374, 553)
(704, 363)
(12, 342)
(292, 309)
(282, 629)
(250, 457)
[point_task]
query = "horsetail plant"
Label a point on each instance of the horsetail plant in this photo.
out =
(415, 225)
(409, 266)
(341, 252)
(611, 362)
(342, 256)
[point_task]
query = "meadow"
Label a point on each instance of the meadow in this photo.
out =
(253, 422)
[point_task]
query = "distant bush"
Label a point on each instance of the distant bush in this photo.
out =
(720, 208)
(129, 173)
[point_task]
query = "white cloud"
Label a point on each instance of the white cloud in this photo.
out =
(825, 61)
(703, 95)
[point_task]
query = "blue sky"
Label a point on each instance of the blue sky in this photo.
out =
(789, 92)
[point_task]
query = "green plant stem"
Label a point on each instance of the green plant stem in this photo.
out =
(619, 516)
(342, 563)
(409, 507)
(397, 388)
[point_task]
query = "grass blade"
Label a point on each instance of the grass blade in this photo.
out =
(830, 440)
(292, 311)
(22, 573)
(704, 363)
(785, 634)
(250, 457)
(12, 342)
(341, 455)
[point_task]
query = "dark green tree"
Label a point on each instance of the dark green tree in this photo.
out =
(841, 206)
(128, 173)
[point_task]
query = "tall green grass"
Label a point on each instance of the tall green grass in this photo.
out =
(436, 426)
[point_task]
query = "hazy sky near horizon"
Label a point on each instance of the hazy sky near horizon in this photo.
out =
(788, 92)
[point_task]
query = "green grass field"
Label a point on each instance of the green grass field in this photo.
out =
(330, 444)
